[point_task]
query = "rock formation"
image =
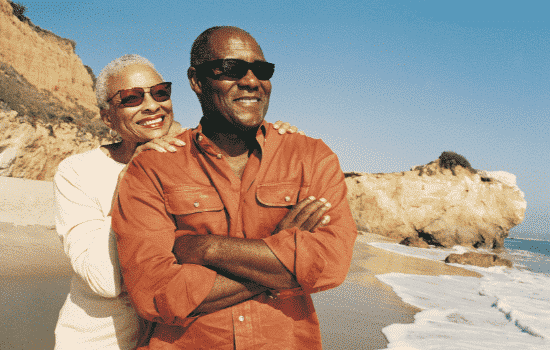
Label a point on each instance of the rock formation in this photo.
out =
(443, 203)
(45, 60)
(478, 259)
(34, 151)
(48, 109)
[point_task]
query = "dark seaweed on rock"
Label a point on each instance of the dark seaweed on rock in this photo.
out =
(449, 160)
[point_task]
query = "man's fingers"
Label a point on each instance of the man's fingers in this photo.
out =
(292, 129)
(277, 124)
(323, 222)
(291, 215)
(311, 213)
(314, 218)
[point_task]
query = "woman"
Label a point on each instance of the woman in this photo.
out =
(135, 102)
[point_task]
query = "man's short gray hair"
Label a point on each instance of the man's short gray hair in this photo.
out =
(113, 68)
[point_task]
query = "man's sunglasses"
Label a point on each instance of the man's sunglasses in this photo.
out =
(134, 96)
(234, 68)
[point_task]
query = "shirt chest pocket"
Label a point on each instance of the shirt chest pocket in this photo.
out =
(278, 194)
(197, 209)
(275, 201)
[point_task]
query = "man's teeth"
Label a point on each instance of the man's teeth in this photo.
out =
(149, 122)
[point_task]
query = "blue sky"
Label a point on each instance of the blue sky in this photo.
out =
(386, 84)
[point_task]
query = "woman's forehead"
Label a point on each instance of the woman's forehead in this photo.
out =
(136, 75)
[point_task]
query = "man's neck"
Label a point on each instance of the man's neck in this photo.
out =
(232, 141)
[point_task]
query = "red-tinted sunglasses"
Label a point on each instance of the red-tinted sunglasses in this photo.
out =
(134, 96)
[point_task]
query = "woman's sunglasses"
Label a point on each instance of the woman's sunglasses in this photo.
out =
(134, 96)
(235, 68)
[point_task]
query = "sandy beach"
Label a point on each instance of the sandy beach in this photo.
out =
(35, 278)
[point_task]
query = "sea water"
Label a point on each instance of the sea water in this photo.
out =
(508, 308)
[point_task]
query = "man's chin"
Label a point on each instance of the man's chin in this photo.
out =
(248, 124)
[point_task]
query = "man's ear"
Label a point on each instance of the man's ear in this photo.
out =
(196, 84)
(105, 115)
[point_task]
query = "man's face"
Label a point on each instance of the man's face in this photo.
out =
(242, 102)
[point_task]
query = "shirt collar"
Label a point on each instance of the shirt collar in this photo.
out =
(203, 143)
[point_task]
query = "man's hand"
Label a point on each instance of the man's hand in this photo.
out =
(306, 215)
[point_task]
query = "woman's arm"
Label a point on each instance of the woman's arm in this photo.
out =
(86, 233)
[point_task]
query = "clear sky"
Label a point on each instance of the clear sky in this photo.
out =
(386, 84)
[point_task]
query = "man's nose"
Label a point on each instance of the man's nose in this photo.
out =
(249, 81)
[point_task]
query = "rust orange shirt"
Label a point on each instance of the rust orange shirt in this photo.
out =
(194, 191)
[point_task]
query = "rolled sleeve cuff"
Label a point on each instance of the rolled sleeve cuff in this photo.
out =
(184, 293)
(294, 248)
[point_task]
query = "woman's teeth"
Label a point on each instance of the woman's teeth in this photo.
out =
(149, 122)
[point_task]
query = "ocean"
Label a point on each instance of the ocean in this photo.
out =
(508, 308)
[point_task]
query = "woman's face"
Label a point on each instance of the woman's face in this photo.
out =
(142, 123)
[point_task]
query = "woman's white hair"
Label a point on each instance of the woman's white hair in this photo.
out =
(113, 68)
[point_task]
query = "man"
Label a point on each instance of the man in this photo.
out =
(222, 242)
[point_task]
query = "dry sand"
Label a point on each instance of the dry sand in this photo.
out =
(35, 278)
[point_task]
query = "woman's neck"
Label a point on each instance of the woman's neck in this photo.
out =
(121, 152)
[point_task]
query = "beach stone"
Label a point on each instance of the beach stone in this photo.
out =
(478, 259)
(445, 203)
(414, 242)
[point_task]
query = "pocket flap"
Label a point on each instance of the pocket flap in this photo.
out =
(279, 194)
(191, 200)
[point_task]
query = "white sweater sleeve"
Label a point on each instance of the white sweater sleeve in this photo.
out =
(85, 231)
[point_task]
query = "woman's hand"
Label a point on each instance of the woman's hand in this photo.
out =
(286, 127)
(165, 143)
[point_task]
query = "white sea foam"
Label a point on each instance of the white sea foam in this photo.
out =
(505, 309)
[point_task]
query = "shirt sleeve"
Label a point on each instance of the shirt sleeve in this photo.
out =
(160, 289)
(85, 232)
(320, 259)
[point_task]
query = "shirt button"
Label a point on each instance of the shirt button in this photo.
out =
(287, 199)
(241, 318)
(219, 156)
(200, 138)
(196, 204)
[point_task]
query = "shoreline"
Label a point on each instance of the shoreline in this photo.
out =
(35, 279)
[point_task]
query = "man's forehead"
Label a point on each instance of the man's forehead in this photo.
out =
(228, 44)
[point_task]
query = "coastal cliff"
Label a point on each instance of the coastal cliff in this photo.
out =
(48, 109)
(45, 60)
(443, 203)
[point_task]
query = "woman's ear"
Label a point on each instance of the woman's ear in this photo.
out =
(196, 84)
(106, 116)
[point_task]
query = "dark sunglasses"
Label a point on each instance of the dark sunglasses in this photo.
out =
(134, 96)
(235, 68)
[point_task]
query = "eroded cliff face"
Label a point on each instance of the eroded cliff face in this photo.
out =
(45, 60)
(34, 151)
(438, 205)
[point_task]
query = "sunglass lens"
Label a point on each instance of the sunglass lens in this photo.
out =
(161, 92)
(263, 70)
(131, 97)
(235, 68)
